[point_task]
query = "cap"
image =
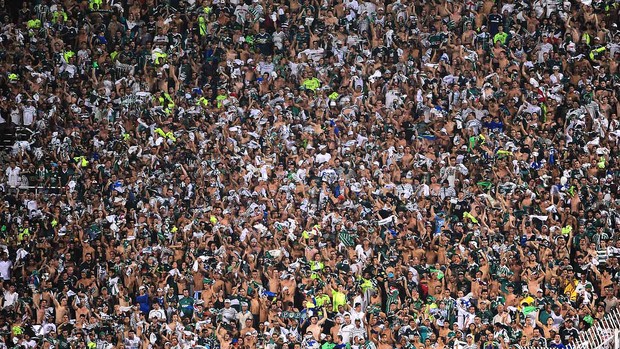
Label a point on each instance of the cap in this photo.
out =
(227, 301)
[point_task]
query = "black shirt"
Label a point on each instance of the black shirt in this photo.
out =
(493, 22)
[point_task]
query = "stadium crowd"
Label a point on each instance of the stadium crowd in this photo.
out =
(305, 174)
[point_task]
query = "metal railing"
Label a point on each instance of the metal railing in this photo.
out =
(35, 188)
(604, 334)
(9, 135)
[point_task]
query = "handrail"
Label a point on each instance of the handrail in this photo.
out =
(605, 333)
(36, 188)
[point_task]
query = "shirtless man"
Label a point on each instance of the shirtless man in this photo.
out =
(316, 325)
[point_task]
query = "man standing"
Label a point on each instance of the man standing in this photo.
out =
(186, 305)
(6, 266)
(132, 341)
(13, 175)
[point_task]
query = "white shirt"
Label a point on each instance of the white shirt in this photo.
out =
(47, 328)
(5, 269)
(241, 317)
(313, 54)
(132, 343)
(13, 175)
(424, 190)
(16, 117)
(358, 332)
(31, 204)
(10, 298)
(157, 314)
(30, 344)
(278, 39)
(346, 332)
(321, 158)
(266, 67)
(28, 115)
(354, 5)
(556, 79)
(358, 315)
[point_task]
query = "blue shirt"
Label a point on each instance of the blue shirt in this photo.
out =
(143, 300)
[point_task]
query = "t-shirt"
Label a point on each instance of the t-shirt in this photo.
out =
(13, 176)
(321, 158)
(229, 314)
(338, 298)
(494, 20)
(10, 298)
(186, 305)
(28, 115)
(132, 343)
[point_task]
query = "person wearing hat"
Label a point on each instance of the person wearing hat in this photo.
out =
(301, 40)
(540, 299)
(502, 116)
(357, 331)
(228, 313)
(143, 300)
(357, 313)
(243, 316)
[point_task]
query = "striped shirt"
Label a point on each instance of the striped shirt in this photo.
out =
(347, 238)
(447, 192)
(504, 271)
(42, 11)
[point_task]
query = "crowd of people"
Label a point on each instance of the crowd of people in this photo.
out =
(305, 174)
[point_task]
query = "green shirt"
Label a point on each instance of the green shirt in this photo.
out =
(338, 298)
(34, 24)
(311, 84)
(186, 305)
(543, 316)
(63, 343)
(501, 37)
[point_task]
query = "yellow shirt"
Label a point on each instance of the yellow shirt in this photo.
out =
(338, 298)
(571, 290)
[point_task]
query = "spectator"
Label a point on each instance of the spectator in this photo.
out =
(309, 174)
